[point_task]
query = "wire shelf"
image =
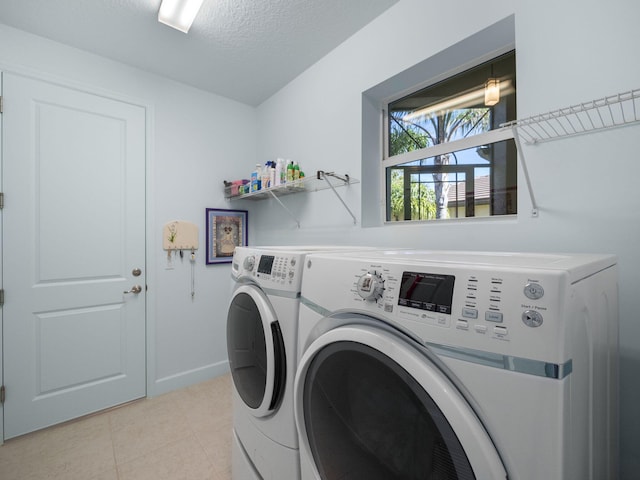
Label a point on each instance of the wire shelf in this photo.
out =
(605, 113)
(321, 181)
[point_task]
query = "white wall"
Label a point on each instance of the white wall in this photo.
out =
(567, 52)
(195, 141)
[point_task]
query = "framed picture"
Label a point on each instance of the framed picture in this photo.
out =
(226, 230)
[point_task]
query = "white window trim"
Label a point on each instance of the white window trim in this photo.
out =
(493, 136)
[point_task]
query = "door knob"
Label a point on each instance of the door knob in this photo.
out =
(135, 289)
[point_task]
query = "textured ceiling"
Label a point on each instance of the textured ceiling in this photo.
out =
(245, 50)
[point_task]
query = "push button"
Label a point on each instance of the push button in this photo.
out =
(481, 329)
(493, 317)
(531, 318)
(501, 331)
(462, 325)
(534, 291)
(470, 313)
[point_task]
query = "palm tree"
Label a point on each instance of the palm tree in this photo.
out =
(433, 129)
(423, 205)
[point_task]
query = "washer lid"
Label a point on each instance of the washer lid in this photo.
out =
(370, 404)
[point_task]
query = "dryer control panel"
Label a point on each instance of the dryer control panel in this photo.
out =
(278, 270)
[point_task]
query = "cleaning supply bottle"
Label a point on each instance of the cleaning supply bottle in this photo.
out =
(283, 173)
(296, 171)
(290, 171)
(278, 179)
(265, 175)
(272, 174)
(255, 178)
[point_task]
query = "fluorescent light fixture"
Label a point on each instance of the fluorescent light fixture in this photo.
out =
(491, 92)
(179, 14)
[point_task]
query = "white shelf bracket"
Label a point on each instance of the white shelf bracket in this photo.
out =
(324, 176)
(285, 208)
(534, 204)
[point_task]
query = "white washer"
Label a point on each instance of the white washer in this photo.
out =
(262, 347)
(457, 365)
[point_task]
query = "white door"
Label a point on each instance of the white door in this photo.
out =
(73, 234)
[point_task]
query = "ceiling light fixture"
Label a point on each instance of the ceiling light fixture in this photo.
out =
(179, 14)
(466, 100)
(491, 92)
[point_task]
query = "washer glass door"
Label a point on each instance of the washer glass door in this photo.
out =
(368, 412)
(256, 350)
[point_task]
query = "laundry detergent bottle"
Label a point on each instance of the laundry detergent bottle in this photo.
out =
(255, 178)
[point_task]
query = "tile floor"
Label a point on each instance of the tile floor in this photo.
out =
(182, 435)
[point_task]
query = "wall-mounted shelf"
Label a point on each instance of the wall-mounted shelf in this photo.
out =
(602, 114)
(609, 112)
(321, 181)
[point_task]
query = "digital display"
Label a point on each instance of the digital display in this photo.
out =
(266, 264)
(427, 291)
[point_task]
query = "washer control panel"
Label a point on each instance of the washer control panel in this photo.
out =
(485, 304)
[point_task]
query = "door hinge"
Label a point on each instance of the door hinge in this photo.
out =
(1, 297)
(3, 393)
(1, 105)
(1, 200)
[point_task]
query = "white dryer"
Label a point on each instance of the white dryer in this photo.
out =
(262, 347)
(457, 365)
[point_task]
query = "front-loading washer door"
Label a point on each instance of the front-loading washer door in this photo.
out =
(370, 404)
(256, 350)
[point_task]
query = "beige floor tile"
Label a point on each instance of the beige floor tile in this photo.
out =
(112, 474)
(75, 450)
(182, 460)
(148, 433)
(184, 434)
(217, 445)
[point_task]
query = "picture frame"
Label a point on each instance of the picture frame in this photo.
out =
(226, 230)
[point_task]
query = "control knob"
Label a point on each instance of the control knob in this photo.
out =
(370, 286)
(249, 263)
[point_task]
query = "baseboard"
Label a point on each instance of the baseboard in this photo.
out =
(185, 379)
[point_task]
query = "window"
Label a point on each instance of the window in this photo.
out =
(446, 155)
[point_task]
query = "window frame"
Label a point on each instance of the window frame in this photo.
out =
(491, 137)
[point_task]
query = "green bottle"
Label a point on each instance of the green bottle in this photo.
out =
(296, 171)
(290, 172)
